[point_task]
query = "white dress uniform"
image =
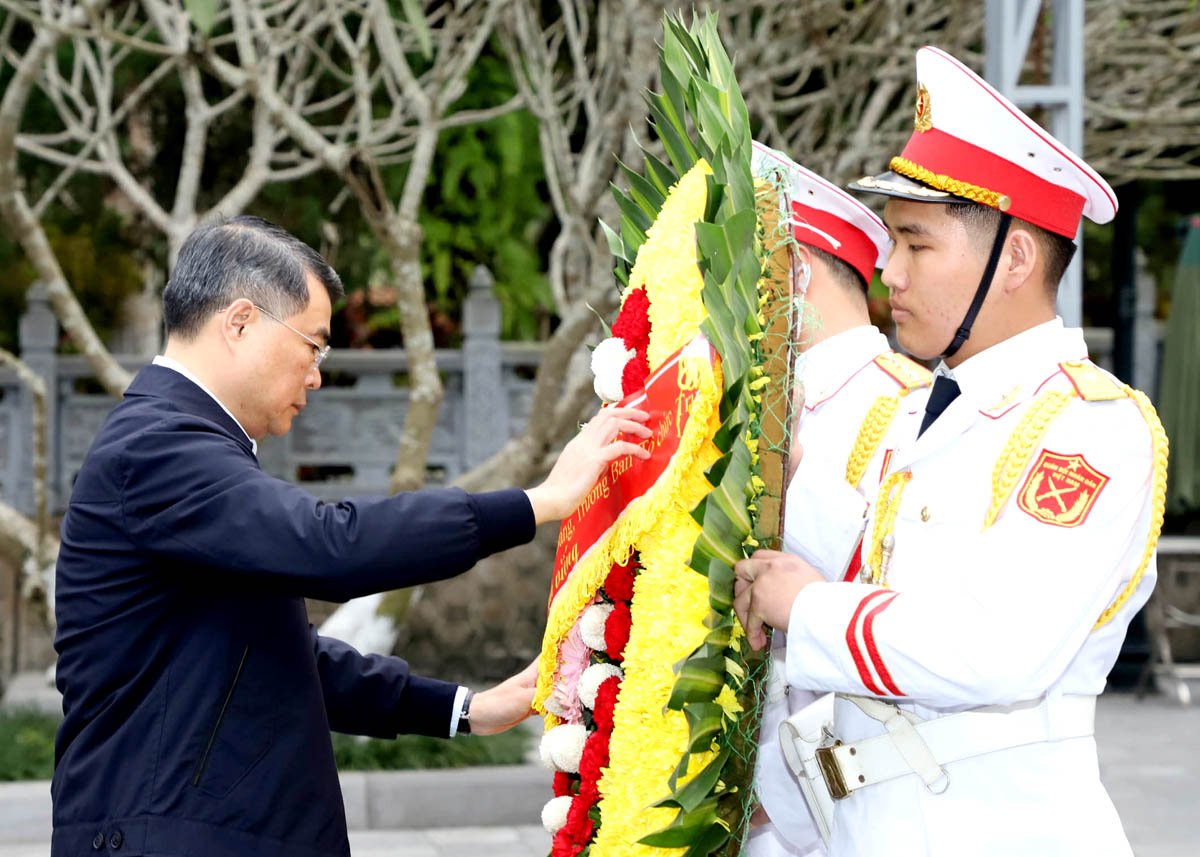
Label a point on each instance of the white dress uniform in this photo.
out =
(842, 378)
(1006, 551)
(976, 616)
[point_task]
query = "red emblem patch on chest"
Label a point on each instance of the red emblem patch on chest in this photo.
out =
(1061, 489)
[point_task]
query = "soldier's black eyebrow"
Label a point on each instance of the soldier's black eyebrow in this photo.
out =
(908, 228)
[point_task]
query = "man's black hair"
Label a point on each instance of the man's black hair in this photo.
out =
(242, 257)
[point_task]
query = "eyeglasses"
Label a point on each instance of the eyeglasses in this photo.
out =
(320, 352)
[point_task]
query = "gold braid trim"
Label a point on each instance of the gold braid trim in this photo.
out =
(1158, 500)
(874, 426)
(1020, 447)
(966, 190)
(886, 508)
(1019, 450)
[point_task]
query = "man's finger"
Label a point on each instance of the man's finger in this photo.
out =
(633, 428)
(617, 448)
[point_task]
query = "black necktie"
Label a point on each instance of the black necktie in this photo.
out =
(945, 391)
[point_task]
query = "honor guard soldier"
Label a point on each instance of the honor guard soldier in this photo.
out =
(845, 368)
(1012, 536)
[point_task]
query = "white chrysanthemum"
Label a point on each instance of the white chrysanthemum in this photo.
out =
(554, 813)
(608, 365)
(592, 678)
(591, 626)
(562, 747)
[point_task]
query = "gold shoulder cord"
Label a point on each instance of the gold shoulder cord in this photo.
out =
(874, 426)
(1158, 500)
(910, 376)
(870, 434)
(1020, 446)
(1033, 425)
(886, 507)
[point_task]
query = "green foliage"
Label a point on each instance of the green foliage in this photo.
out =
(700, 114)
(97, 259)
(485, 205)
(26, 745)
(203, 14)
(411, 752)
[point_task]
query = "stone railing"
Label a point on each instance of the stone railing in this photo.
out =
(345, 442)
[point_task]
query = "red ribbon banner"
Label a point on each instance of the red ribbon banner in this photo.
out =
(628, 478)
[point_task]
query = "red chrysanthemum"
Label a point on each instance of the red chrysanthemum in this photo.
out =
(563, 846)
(635, 373)
(632, 323)
(594, 759)
(618, 586)
(606, 703)
(579, 827)
(564, 783)
(616, 631)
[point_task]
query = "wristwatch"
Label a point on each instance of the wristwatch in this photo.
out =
(464, 716)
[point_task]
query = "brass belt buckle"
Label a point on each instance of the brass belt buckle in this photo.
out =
(832, 772)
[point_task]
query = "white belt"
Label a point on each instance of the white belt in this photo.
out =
(911, 745)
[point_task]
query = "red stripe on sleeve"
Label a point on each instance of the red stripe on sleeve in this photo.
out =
(864, 672)
(869, 639)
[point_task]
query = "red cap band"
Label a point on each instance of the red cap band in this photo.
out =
(835, 236)
(1034, 200)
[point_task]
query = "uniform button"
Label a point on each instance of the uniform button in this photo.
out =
(98, 841)
(116, 840)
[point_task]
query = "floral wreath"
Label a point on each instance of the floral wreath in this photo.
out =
(649, 692)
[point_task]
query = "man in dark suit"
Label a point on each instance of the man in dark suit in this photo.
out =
(198, 699)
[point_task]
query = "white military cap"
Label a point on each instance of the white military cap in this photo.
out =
(825, 216)
(970, 143)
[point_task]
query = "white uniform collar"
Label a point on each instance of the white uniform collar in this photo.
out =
(1021, 358)
(170, 363)
(826, 366)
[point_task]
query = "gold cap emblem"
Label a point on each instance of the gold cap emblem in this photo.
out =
(923, 119)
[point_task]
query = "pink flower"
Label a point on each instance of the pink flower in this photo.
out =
(572, 661)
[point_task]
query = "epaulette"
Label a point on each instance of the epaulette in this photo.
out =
(906, 372)
(1091, 383)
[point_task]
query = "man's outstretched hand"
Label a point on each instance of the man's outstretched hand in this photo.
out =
(502, 707)
(606, 437)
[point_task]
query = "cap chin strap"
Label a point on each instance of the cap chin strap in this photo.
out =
(964, 330)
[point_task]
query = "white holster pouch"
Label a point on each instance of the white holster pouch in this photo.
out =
(830, 770)
(801, 736)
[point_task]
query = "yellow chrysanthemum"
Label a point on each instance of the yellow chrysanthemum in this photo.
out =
(666, 264)
(670, 603)
(728, 701)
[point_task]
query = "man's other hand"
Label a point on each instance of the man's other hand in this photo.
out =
(502, 707)
(764, 588)
(606, 437)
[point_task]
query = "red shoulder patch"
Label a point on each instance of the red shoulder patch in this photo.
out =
(1061, 489)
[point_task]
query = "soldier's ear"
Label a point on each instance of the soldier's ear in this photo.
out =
(1021, 259)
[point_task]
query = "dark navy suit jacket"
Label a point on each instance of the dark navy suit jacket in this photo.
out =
(198, 698)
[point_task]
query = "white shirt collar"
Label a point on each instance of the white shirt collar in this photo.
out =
(170, 363)
(1022, 358)
(826, 366)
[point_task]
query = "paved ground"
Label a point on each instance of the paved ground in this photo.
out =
(1149, 759)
